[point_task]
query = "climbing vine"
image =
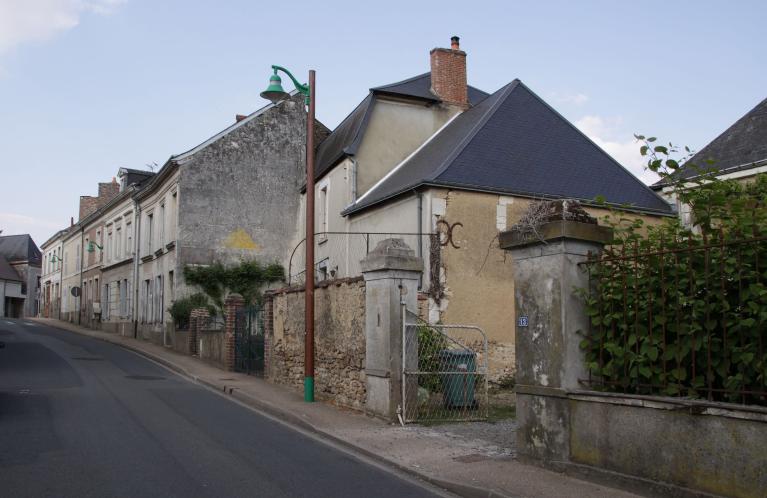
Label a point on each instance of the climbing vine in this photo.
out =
(246, 278)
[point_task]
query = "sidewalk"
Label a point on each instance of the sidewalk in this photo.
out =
(444, 455)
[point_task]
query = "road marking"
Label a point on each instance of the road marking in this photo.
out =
(30, 323)
(10, 323)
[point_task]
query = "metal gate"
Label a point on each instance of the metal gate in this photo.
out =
(444, 371)
(249, 340)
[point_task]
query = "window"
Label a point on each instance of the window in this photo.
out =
(171, 290)
(128, 238)
(162, 225)
(100, 242)
(123, 286)
(146, 301)
(77, 259)
(149, 232)
(173, 215)
(105, 302)
(158, 308)
(117, 253)
(109, 248)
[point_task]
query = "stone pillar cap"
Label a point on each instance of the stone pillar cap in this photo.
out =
(392, 254)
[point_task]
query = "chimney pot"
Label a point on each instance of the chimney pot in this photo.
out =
(71, 221)
(455, 43)
(240, 117)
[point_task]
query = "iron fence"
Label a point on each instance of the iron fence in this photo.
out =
(339, 254)
(444, 374)
(685, 319)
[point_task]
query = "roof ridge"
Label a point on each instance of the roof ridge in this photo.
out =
(408, 80)
(505, 91)
(567, 121)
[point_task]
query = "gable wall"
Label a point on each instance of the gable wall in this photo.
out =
(394, 131)
(239, 196)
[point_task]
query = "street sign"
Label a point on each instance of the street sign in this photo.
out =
(76, 291)
(522, 321)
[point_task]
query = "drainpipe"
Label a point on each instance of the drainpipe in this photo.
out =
(354, 180)
(420, 235)
(61, 281)
(82, 265)
(136, 253)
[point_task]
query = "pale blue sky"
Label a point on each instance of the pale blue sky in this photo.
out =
(88, 86)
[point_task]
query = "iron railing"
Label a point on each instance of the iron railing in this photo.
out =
(687, 318)
(339, 254)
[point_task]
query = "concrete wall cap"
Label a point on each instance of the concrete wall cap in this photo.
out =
(555, 230)
(392, 254)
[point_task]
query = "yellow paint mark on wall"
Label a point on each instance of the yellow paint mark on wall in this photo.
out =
(239, 239)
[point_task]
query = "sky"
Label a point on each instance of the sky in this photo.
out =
(89, 86)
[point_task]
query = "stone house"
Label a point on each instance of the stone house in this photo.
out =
(50, 281)
(431, 154)
(738, 153)
(83, 246)
(229, 199)
(20, 258)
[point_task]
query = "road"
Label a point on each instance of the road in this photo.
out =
(81, 417)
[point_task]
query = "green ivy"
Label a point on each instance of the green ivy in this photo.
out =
(678, 311)
(246, 278)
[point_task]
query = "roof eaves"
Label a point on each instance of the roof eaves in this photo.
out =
(355, 209)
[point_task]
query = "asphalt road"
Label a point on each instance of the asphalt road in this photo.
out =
(81, 418)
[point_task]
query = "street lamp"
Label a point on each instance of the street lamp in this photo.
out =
(275, 93)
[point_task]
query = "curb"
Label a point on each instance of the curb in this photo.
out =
(288, 417)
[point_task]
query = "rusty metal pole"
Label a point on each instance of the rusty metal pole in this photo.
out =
(309, 275)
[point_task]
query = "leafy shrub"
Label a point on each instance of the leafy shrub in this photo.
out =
(182, 308)
(678, 310)
(246, 278)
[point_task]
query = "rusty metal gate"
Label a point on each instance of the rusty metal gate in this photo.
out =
(444, 371)
(249, 340)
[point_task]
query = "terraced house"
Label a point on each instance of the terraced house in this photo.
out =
(231, 198)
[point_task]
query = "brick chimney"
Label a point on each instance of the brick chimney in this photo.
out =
(448, 74)
(240, 117)
(89, 204)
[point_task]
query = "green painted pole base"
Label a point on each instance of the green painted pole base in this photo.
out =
(309, 389)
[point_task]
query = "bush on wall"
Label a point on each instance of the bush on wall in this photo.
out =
(682, 311)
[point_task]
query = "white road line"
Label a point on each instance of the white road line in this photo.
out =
(30, 323)
(10, 323)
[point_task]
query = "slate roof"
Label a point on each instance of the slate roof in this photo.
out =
(737, 148)
(7, 272)
(347, 136)
(513, 142)
(20, 248)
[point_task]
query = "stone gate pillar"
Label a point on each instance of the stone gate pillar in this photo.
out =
(549, 314)
(391, 272)
(233, 303)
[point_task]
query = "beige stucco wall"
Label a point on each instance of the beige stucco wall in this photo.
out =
(395, 130)
(477, 276)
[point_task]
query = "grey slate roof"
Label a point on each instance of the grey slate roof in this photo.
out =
(513, 142)
(420, 86)
(346, 137)
(737, 148)
(7, 272)
(20, 248)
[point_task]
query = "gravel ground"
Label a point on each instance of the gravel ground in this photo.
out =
(494, 440)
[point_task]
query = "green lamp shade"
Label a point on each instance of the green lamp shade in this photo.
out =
(90, 247)
(274, 91)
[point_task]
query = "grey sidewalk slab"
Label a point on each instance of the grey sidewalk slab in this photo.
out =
(464, 466)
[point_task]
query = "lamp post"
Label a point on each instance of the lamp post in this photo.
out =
(275, 93)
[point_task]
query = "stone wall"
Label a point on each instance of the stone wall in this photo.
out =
(211, 346)
(339, 340)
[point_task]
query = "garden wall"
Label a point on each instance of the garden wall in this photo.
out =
(339, 340)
